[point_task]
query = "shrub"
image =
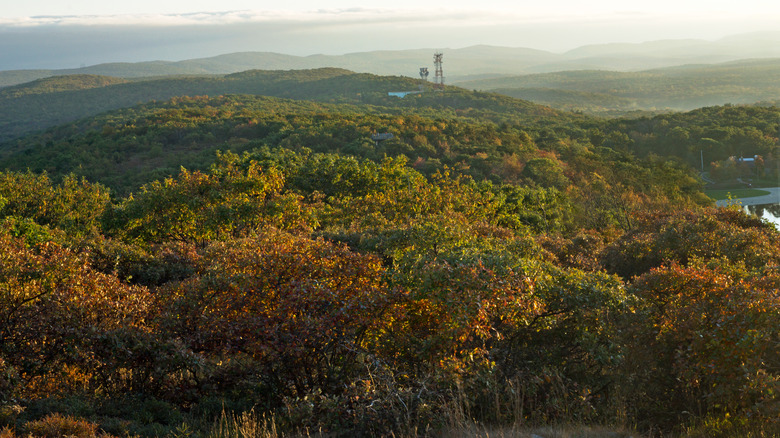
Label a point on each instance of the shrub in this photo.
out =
(703, 342)
(56, 426)
(9, 413)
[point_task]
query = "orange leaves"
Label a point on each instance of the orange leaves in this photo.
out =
(302, 308)
(55, 308)
(713, 328)
(456, 305)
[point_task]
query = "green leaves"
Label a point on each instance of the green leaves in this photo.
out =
(199, 207)
(73, 206)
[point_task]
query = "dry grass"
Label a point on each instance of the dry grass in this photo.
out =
(251, 425)
(245, 425)
(56, 426)
(476, 431)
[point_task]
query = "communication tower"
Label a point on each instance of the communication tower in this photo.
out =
(438, 80)
(424, 73)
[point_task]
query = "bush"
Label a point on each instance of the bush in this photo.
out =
(9, 413)
(8, 380)
(703, 342)
(56, 426)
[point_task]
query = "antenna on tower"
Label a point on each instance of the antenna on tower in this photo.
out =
(424, 73)
(438, 80)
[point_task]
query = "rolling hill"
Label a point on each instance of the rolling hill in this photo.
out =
(128, 132)
(52, 101)
(679, 88)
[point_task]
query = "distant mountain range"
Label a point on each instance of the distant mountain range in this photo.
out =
(459, 64)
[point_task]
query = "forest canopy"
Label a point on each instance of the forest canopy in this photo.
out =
(168, 264)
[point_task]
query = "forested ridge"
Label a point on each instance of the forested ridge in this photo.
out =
(52, 101)
(197, 265)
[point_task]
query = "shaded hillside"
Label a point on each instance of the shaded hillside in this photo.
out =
(129, 147)
(49, 102)
(59, 84)
(601, 104)
(678, 88)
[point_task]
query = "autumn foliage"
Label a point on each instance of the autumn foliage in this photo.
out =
(299, 311)
(704, 340)
(368, 297)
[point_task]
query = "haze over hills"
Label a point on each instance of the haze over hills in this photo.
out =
(678, 88)
(460, 63)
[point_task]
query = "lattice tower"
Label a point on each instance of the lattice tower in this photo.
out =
(438, 79)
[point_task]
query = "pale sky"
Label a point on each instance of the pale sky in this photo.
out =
(27, 8)
(48, 33)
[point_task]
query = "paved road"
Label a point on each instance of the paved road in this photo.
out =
(772, 198)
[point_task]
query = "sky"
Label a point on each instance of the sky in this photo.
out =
(27, 8)
(73, 33)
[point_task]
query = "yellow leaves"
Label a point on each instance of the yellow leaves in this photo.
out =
(62, 382)
(229, 201)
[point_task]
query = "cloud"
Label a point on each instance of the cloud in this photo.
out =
(357, 16)
(205, 18)
(72, 41)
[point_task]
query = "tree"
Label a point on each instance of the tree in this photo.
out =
(703, 341)
(301, 311)
(546, 173)
(74, 206)
(63, 323)
(197, 207)
(713, 233)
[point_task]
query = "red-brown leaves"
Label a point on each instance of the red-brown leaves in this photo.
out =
(706, 336)
(54, 307)
(302, 308)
